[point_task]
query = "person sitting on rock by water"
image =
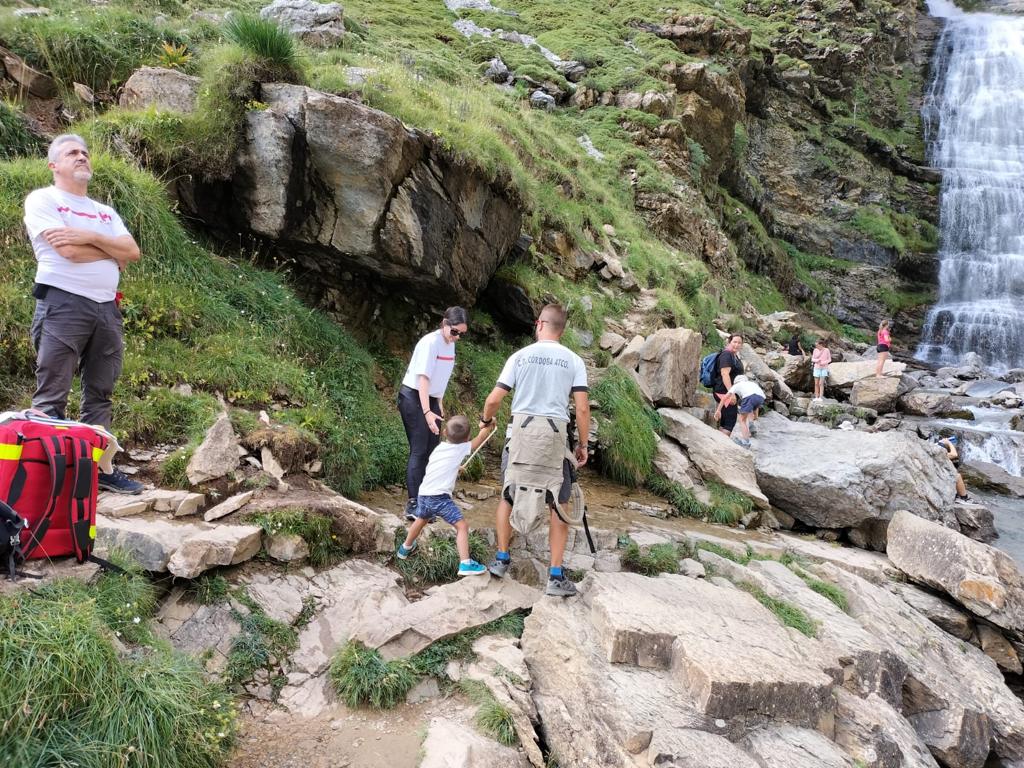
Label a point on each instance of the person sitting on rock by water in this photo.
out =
(542, 377)
(884, 345)
(435, 498)
(794, 347)
(949, 443)
(420, 398)
(750, 397)
(728, 366)
(821, 358)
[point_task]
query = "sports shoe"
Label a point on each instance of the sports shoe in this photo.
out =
(118, 482)
(741, 442)
(472, 568)
(410, 511)
(965, 497)
(403, 553)
(560, 586)
(499, 567)
(753, 430)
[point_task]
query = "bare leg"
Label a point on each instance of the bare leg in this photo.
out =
(503, 526)
(961, 488)
(414, 531)
(725, 432)
(462, 539)
(881, 364)
(558, 536)
(745, 425)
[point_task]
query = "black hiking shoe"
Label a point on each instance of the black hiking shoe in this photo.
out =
(118, 482)
(410, 511)
(499, 567)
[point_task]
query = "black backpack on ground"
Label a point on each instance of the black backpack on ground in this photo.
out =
(11, 526)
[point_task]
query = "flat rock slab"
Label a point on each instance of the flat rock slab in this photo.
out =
(831, 478)
(280, 599)
(199, 630)
(445, 611)
(789, 747)
(715, 455)
(456, 745)
(228, 506)
(873, 566)
(209, 548)
(846, 374)
(649, 623)
(983, 579)
(151, 543)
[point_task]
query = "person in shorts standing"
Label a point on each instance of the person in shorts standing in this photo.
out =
(821, 359)
(728, 366)
(81, 247)
(884, 345)
(420, 398)
(750, 397)
(542, 376)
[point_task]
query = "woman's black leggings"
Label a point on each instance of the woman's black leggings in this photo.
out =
(729, 414)
(421, 440)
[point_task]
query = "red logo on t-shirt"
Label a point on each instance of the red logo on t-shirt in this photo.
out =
(106, 218)
(439, 357)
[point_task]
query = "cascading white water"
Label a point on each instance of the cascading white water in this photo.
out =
(974, 122)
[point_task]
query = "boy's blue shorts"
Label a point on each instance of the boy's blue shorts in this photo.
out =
(429, 507)
(751, 403)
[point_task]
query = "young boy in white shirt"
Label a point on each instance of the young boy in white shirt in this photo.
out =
(750, 397)
(435, 496)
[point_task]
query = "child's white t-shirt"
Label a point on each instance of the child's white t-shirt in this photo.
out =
(443, 468)
(744, 389)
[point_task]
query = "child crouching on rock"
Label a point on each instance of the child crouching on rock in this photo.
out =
(751, 397)
(435, 496)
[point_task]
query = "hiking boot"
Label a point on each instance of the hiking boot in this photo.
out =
(560, 586)
(118, 482)
(410, 511)
(472, 568)
(499, 567)
(965, 497)
(403, 553)
(741, 442)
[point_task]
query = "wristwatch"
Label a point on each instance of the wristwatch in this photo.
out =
(485, 421)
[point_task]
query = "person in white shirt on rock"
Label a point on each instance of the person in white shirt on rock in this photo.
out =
(421, 396)
(750, 397)
(81, 247)
(542, 377)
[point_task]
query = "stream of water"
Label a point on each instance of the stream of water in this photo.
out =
(974, 125)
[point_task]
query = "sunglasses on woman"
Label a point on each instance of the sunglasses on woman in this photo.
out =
(455, 332)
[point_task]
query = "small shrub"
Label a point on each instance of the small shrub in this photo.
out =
(16, 140)
(173, 56)
(362, 678)
(210, 588)
(658, 558)
(492, 718)
(172, 471)
(790, 615)
(315, 530)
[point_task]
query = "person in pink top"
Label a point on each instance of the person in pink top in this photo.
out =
(884, 343)
(821, 357)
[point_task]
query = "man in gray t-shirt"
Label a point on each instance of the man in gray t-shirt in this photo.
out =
(542, 378)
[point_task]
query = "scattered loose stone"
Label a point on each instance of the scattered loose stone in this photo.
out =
(287, 547)
(228, 506)
(217, 455)
(223, 545)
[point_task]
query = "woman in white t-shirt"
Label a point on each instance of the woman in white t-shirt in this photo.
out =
(422, 392)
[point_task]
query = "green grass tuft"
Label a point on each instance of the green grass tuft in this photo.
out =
(436, 559)
(650, 561)
(727, 506)
(362, 678)
(434, 659)
(627, 428)
(273, 45)
(681, 499)
(315, 530)
(261, 640)
(492, 718)
(790, 615)
(16, 140)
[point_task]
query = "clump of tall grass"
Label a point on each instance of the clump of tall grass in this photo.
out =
(787, 613)
(492, 717)
(273, 46)
(627, 433)
(652, 560)
(315, 530)
(436, 559)
(362, 677)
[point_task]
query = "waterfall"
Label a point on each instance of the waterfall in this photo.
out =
(974, 124)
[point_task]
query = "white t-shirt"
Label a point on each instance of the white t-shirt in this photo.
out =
(433, 358)
(746, 388)
(52, 208)
(443, 468)
(543, 375)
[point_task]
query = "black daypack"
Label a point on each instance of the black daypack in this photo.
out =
(11, 526)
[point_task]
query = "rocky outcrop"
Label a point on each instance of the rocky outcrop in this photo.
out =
(983, 579)
(714, 455)
(164, 89)
(845, 375)
(837, 479)
(879, 394)
(211, 547)
(319, 24)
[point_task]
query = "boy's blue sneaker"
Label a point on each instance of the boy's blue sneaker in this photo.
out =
(472, 568)
(403, 552)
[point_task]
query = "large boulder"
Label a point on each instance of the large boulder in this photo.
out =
(350, 192)
(714, 455)
(921, 402)
(671, 463)
(838, 479)
(318, 24)
(670, 669)
(983, 579)
(991, 476)
(164, 89)
(670, 366)
(844, 375)
(880, 393)
(217, 455)
(771, 381)
(214, 546)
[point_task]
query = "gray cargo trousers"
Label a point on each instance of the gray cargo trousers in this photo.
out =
(71, 332)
